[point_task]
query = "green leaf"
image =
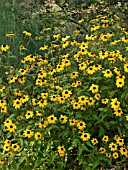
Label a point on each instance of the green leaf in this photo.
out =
(21, 160)
(11, 116)
(95, 164)
(89, 144)
(37, 163)
(119, 130)
(101, 131)
(105, 88)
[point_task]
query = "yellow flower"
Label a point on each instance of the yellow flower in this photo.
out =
(45, 47)
(73, 75)
(107, 73)
(108, 155)
(72, 122)
(66, 93)
(43, 123)
(29, 114)
(28, 133)
(27, 33)
(105, 138)
(103, 54)
(94, 141)
(104, 37)
(11, 127)
(63, 119)
(97, 96)
(1, 161)
(120, 83)
(56, 36)
(15, 147)
(17, 103)
(102, 150)
(44, 95)
(91, 70)
(76, 105)
(81, 125)
(4, 48)
(10, 154)
(82, 100)
(126, 67)
(123, 151)
(42, 103)
(7, 142)
(115, 104)
(85, 136)
(52, 119)
(118, 112)
(3, 109)
(82, 66)
(61, 150)
(94, 88)
(24, 99)
(120, 141)
(22, 47)
(90, 101)
(65, 44)
(6, 147)
(113, 146)
(115, 155)
(38, 135)
(65, 38)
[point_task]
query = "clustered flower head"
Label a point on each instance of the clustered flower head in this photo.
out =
(69, 94)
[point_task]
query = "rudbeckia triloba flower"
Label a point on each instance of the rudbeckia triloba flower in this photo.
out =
(126, 67)
(102, 150)
(85, 136)
(105, 101)
(115, 104)
(10, 34)
(113, 146)
(38, 135)
(94, 88)
(76, 105)
(45, 47)
(120, 141)
(63, 119)
(123, 151)
(4, 48)
(28, 133)
(15, 147)
(118, 112)
(52, 119)
(61, 150)
(105, 138)
(27, 33)
(11, 127)
(94, 141)
(66, 93)
(81, 125)
(91, 70)
(107, 73)
(82, 66)
(120, 83)
(6, 147)
(115, 155)
(108, 155)
(74, 75)
(17, 103)
(29, 114)
(97, 96)
(10, 154)
(1, 161)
